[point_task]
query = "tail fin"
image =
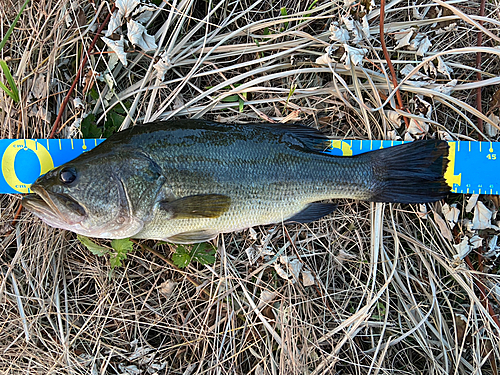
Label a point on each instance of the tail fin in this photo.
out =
(411, 172)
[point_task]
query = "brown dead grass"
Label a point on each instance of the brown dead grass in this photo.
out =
(398, 304)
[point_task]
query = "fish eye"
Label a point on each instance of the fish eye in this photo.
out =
(67, 175)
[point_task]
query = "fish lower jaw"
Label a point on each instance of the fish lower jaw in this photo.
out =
(95, 232)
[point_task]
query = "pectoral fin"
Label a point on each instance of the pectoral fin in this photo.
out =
(312, 212)
(197, 206)
(193, 236)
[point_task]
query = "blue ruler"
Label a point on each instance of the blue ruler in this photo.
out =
(473, 169)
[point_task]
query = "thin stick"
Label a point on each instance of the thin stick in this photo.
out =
(82, 65)
(389, 63)
(479, 77)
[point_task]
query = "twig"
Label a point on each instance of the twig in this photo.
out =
(389, 62)
(478, 72)
(82, 65)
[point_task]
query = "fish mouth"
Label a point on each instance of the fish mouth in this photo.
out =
(50, 206)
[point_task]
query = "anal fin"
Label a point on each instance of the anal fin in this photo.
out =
(193, 236)
(312, 212)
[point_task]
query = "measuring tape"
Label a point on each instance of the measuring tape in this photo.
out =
(473, 169)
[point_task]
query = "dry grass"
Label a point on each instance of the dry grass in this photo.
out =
(399, 303)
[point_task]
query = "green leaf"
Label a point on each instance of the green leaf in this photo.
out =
(122, 247)
(12, 92)
(112, 123)
(89, 127)
(93, 93)
(11, 28)
(92, 246)
(312, 6)
(181, 257)
(284, 13)
(116, 260)
(207, 258)
(200, 253)
(230, 99)
(203, 255)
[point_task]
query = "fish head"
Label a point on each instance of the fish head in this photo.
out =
(87, 196)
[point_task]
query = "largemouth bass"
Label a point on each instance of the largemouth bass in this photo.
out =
(186, 181)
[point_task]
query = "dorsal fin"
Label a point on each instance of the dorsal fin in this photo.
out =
(309, 138)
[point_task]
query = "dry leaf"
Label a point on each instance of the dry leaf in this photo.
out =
(403, 37)
(422, 211)
(339, 34)
(493, 248)
(408, 137)
(324, 59)
(366, 26)
(443, 227)
(463, 249)
(418, 128)
(266, 297)
(353, 55)
(446, 88)
(293, 266)
(482, 217)
(125, 7)
(144, 13)
(393, 135)
(451, 214)
(78, 104)
(471, 202)
(422, 107)
(162, 67)
(416, 14)
(40, 87)
(423, 47)
(461, 326)
(115, 23)
(167, 287)
(280, 271)
(138, 36)
(475, 241)
(430, 69)
(253, 254)
(443, 67)
(307, 278)
(117, 46)
(492, 130)
(394, 118)
(495, 101)
(407, 69)
(252, 234)
(445, 136)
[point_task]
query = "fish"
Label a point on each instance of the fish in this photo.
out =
(186, 181)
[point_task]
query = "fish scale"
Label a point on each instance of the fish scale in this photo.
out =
(287, 182)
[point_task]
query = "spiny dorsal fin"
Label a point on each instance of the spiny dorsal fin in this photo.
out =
(310, 138)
